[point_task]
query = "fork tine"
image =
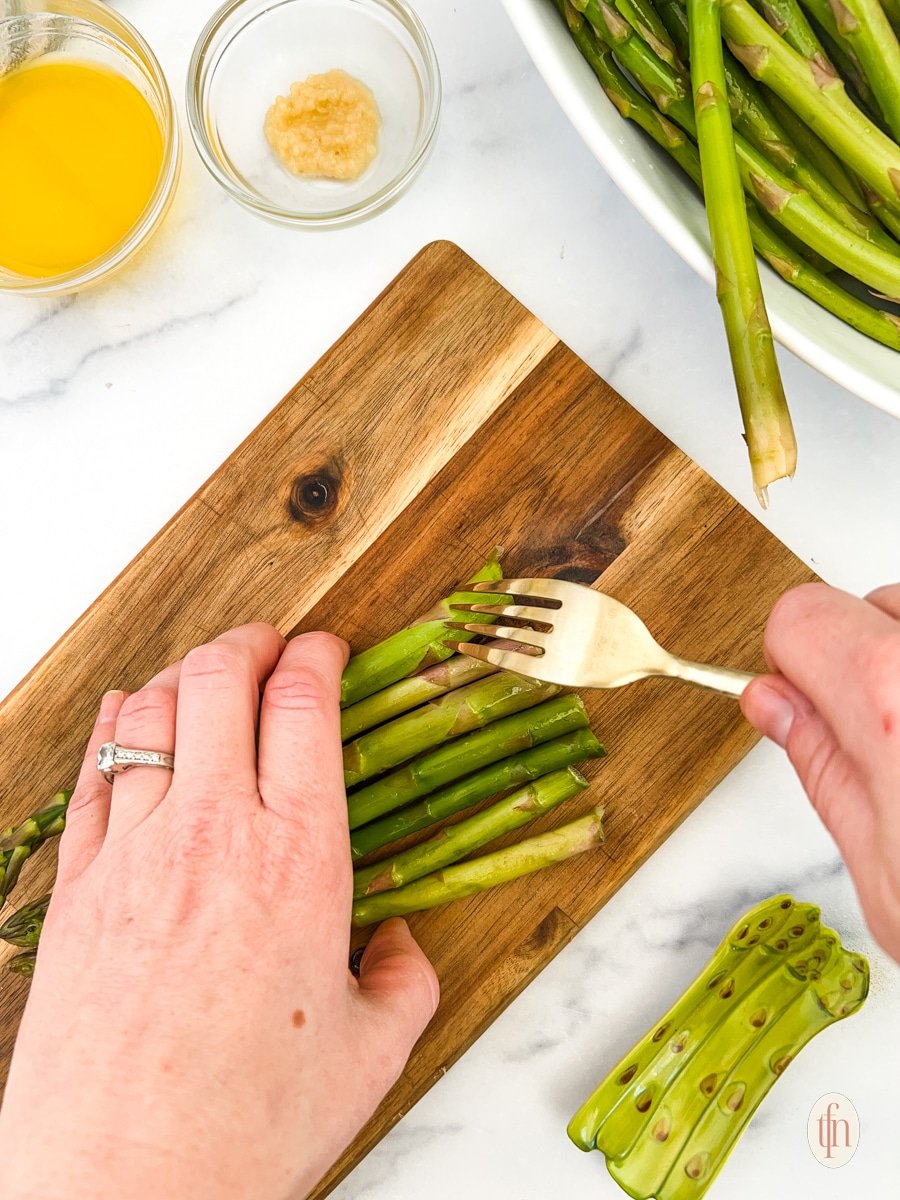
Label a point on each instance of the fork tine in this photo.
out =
(520, 612)
(529, 589)
(505, 633)
(506, 660)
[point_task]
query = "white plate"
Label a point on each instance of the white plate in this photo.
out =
(666, 198)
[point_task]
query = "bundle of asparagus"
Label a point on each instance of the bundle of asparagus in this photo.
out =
(427, 734)
(789, 130)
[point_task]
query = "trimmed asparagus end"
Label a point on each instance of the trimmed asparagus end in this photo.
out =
(668, 1115)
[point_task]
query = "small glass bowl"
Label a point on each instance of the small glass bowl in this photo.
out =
(88, 31)
(252, 51)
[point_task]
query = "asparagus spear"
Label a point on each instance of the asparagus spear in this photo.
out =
(860, 29)
(24, 927)
(892, 12)
(480, 874)
(881, 326)
(888, 218)
(23, 964)
(412, 649)
(815, 151)
(407, 694)
(767, 423)
(644, 20)
(456, 841)
(817, 95)
(668, 1114)
(789, 21)
(447, 763)
(511, 772)
(442, 720)
(863, 26)
(20, 841)
(791, 206)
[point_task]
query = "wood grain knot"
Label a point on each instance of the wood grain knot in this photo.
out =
(314, 496)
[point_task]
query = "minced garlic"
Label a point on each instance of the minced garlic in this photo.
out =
(328, 126)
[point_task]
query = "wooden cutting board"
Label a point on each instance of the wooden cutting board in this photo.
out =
(447, 420)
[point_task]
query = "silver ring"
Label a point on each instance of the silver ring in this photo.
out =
(113, 759)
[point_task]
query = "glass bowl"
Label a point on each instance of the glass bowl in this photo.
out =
(37, 30)
(252, 51)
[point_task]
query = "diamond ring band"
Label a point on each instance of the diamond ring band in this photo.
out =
(113, 759)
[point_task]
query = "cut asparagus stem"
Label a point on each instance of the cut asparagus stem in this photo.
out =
(791, 206)
(668, 1114)
(470, 753)
(20, 841)
(767, 423)
(407, 694)
(410, 650)
(511, 772)
(480, 874)
(881, 326)
(24, 927)
(440, 721)
(23, 964)
(817, 95)
(456, 841)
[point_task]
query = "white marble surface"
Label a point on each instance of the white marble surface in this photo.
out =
(115, 405)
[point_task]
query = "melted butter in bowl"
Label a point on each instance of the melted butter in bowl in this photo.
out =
(80, 154)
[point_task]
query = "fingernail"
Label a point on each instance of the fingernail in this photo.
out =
(110, 701)
(775, 714)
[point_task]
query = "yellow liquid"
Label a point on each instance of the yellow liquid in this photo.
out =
(80, 153)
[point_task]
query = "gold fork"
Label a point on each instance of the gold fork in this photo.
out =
(580, 638)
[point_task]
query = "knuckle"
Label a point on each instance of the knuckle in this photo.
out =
(888, 593)
(796, 606)
(200, 841)
(265, 629)
(318, 639)
(148, 706)
(819, 772)
(85, 796)
(299, 689)
(215, 660)
(881, 672)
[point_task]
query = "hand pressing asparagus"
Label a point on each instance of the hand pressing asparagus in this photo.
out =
(427, 734)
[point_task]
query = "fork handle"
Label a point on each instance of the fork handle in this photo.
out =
(717, 679)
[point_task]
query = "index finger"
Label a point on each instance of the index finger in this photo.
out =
(843, 653)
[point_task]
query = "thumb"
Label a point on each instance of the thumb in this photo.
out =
(399, 983)
(829, 777)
